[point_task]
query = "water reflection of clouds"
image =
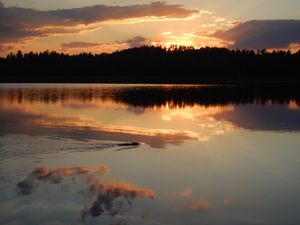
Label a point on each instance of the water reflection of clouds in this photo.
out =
(193, 112)
(197, 123)
(93, 103)
(186, 193)
(17, 121)
(190, 199)
(202, 204)
(203, 117)
(272, 117)
(108, 198)
(204, 201)
(177, 118)
(56, 176)
(217, 120)
(112, 199)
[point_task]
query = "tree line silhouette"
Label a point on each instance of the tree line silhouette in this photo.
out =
(151, 64)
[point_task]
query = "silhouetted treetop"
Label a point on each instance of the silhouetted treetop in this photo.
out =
(150, 64)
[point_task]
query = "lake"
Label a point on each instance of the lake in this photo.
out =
(149, 154)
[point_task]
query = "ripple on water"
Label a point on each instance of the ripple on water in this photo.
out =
(23, 146)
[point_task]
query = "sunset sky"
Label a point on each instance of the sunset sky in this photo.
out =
(96, 26)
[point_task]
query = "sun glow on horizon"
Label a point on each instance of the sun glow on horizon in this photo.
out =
(192, 39)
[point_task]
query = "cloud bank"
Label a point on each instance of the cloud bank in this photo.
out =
(254, 34)
(260, 34)
(99, 47)
(18, 23)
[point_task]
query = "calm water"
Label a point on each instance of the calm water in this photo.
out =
(206, 155)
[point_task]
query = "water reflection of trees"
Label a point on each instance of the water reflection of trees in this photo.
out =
(157, 96)
(207, 95)
(53, 95)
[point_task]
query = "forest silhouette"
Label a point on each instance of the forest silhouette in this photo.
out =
(150, 64)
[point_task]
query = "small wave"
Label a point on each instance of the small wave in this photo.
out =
(22, 146)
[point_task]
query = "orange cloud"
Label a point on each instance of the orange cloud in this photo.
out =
(96, 48)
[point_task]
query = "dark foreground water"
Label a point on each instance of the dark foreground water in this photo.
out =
(155, 155)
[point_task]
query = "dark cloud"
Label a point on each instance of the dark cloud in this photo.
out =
(137, 41)
(20, 23)
(260, 34)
